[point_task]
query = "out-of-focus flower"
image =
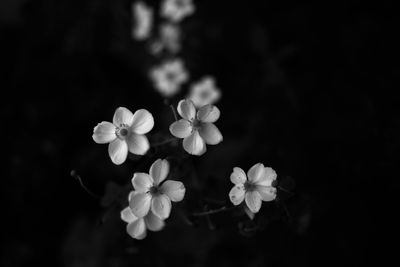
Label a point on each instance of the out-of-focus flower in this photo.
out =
(254, 188)
(177, 10)
(196, 127)
(169, 77)
(204, 92)
(137, 227)
(169, 39)
(152, 195)
(143, 20)
(125, 133)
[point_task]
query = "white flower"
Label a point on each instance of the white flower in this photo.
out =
(126, 133)
(177, 10)
(169, 77)
(152, 195)
(143, 16)
(254, 188)
(197, 128)
(137, 227)
(169, 39)
(204, 92)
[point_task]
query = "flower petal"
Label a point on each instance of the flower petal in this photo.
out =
(118, 151)
(138, 144)
(256, 173)
(208, 113)
(267, 193)
(104, 132)
(210, 133)
(122, 116)
(140, 204)
(181, 129)
(142, 182)
(268, 177)
(249, 213)
(253, 201)
(236, 195)
(194, 144)
(175, 190)
(137, 229)
(186, 109)
(142, 122)
(159, 170)
(238, 176)
(127, 215)
(161, 206)
(153, 223)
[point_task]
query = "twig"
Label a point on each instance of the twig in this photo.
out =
(164, 142)
(173, 111)
(77, 177)
(205, 213)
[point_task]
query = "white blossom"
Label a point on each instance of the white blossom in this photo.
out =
(196, 127)
(137, 227)
(254, 188)
(177, 10)
(168, 77)
(204, 92)
(153, 193)
(125, 133)
(143, 17)
(169, 39)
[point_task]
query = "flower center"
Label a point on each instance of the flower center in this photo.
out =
(196, 124)
(249, 186)
(154, 190)
(122, 131)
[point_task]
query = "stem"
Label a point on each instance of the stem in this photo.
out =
(164, 142)
(77, 177)
(173, 111)
(209, 212)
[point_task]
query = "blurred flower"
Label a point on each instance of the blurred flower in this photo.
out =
(254, 188)
(177, 10)
(169, 77)
(204, 92)
(152, 195)
(137, 227)
(143, 16)
(169, 39)
(197, 128)
(126, 133)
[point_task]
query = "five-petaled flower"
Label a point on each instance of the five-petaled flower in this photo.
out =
(126, 133)
(197, 128)
(204, 92)
(254, 188)
(169, 76)
(137, 227)
(154, 194)
(143, 16)
(177, 10)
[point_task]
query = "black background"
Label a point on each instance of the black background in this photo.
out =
(306, 89)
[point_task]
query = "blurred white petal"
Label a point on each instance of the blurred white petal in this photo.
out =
(253, 201)
(104, 132)
(181, 128)
(122, 116)
(210, 133)
(138, 144)
(204, 92)
(142, 182)
(137, 229)
(140, 204)
(143, 20)
(175, 190)
(127, 215)
(186, 109)
(194, 144)
(118, 151)
(237, 193)
(208, 113)
(256, 173)
(153, 223)
(238, 176)
(161, 206)
(142, 122)
(159, 171)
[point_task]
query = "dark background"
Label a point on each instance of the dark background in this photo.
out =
(307, 89)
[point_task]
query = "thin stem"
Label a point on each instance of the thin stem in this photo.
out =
(173, 111)
(284, 190)
(77, 177)
(164, 142)
(209, 212)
